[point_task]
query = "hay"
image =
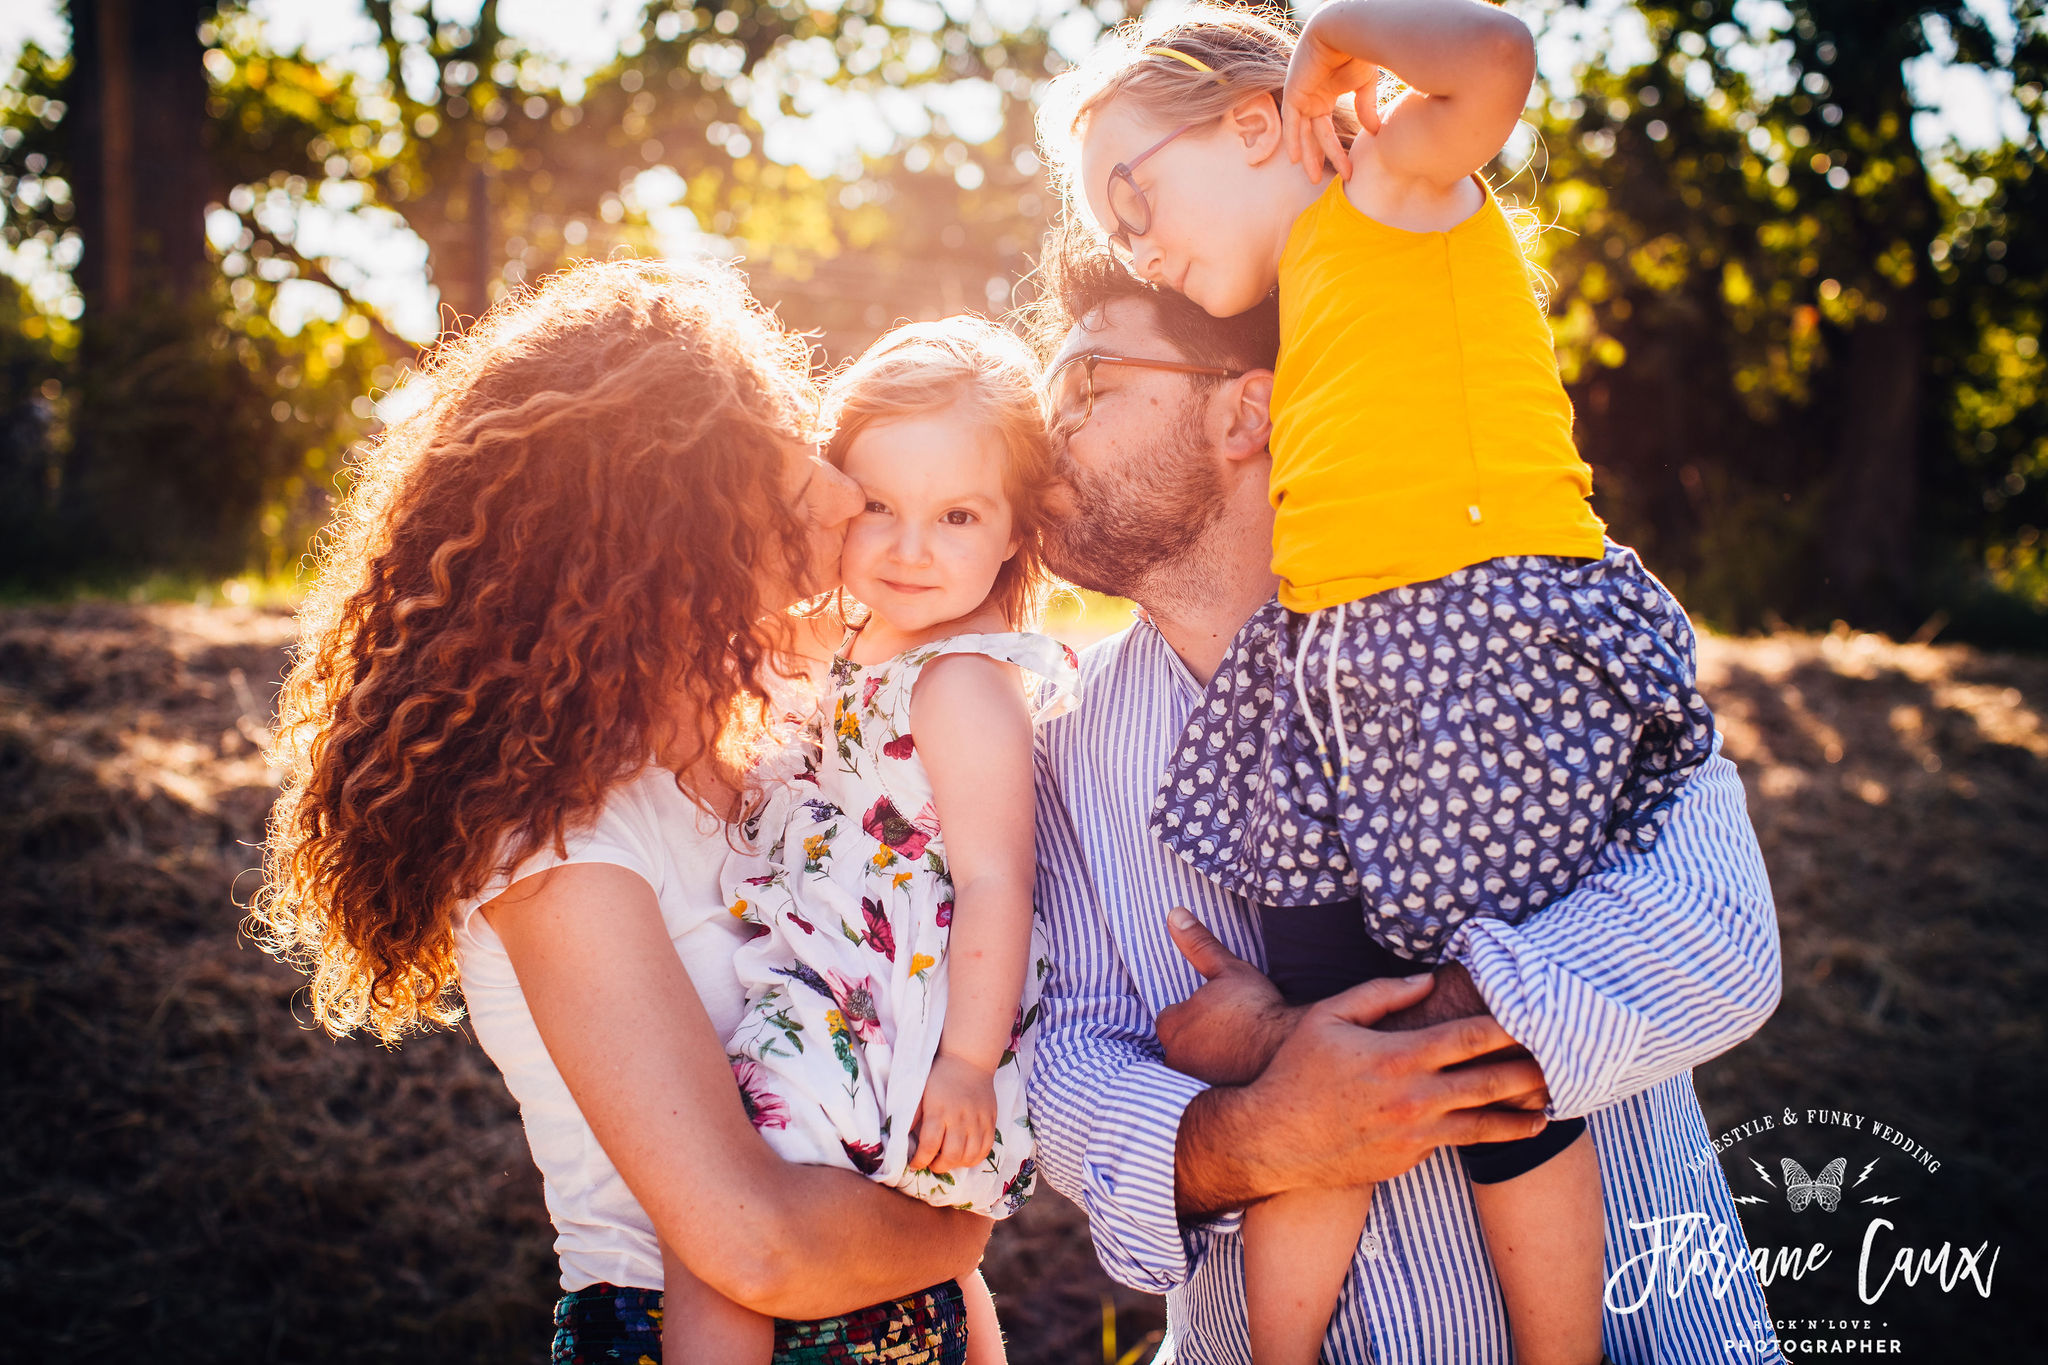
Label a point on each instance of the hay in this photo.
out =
(190, 1173)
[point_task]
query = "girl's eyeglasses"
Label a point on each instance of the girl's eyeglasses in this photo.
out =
(1127, 202)
(1070, 387)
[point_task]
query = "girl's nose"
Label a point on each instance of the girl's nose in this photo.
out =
(1148, 261)
(912, 546)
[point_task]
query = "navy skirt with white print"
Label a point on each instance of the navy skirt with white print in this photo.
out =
(1453, 748)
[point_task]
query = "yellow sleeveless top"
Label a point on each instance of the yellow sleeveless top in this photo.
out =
(1419, 424)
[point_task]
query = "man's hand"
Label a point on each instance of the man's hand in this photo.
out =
(1228, 1030)
(1345, 1103)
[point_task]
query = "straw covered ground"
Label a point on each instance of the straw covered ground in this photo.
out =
(189, 1174)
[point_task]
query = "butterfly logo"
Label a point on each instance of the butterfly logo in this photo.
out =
(1824, 1189)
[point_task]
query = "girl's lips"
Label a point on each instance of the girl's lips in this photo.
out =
(906, 587)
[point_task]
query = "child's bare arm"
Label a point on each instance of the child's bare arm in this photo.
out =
(1469, 65)
(974, 735)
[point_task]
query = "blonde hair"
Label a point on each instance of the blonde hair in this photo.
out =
(1157, 66)
(1245, 49)
(970, 365)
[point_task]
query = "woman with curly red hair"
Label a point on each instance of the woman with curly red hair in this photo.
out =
(547, 617)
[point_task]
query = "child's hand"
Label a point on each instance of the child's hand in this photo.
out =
(1319, 73)
(956, 1119)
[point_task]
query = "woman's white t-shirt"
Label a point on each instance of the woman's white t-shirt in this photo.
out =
(648, 827)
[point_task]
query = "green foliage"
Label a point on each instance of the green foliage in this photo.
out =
(1802, 352)
(505, 167)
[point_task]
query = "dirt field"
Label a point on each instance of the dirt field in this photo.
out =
(190, 1174)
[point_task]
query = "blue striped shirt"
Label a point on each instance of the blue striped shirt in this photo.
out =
(1655, 963)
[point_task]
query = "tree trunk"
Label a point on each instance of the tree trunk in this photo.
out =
(139, 101)
(1870, 538)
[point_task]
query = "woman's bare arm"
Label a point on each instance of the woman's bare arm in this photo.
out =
(632, 1040)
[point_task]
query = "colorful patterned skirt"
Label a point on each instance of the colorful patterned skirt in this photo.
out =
(607, 1324)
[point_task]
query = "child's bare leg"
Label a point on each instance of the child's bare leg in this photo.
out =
(984, 1333)
(700, 1326)
(1297, 1250)
(1546, 1233)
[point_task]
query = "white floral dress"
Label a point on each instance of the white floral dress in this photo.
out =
(845, 874)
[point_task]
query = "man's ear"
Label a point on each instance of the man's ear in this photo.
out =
(1250, 400)
(1255, 122)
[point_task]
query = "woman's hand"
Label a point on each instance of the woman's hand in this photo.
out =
(956, 1120)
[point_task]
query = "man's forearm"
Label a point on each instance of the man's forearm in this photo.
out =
(1214, 1166)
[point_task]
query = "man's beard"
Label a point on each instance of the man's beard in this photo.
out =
(1133, 528)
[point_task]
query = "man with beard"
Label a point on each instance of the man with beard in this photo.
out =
(1172, 1087)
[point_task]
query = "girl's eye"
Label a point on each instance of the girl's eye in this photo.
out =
(957, 517)
(873, 506)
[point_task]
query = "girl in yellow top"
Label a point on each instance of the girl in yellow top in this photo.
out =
(1464, 692)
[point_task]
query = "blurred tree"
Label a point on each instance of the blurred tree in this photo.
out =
(1759, 296)
(504, 165)
(137, 155)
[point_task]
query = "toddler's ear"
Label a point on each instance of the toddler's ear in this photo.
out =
(1255, 122)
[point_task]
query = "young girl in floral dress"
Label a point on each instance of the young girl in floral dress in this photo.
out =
(1465, 691)
(893, 985)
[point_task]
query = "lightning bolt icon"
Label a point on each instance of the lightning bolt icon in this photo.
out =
(1882, 1199)
(1764, 1173)
(1866, 1172)
(1749, 1199)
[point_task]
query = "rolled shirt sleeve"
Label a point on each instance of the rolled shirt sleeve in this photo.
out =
(1656, 961)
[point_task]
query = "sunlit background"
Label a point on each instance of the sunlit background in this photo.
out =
(1798, 277)
(1798, 252)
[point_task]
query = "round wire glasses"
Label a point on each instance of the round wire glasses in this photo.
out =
(1070, 387)
(1127, 203)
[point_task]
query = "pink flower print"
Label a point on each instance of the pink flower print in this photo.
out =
(885, 823)
(901, 747)
(865, 1156)
(765, 1109)
(762, 880)
(856, 1000)
(945, 914)
(799, 921)
(878, 935)
(1073, 659)
(868, 690)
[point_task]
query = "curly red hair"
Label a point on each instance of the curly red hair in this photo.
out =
(549, 572)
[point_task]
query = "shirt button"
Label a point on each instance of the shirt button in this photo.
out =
(1369, 1245)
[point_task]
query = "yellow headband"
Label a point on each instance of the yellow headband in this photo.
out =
(1182, 57)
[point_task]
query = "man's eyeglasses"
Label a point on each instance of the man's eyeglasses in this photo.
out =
(1127, 202)
(1070, 387)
